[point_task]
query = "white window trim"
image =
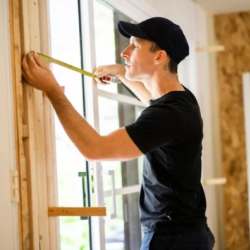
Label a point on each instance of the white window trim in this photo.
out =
(246, 91)
(123, 191)
(137, 11)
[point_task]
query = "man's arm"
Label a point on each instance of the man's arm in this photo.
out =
(115, 146)
(118, 70)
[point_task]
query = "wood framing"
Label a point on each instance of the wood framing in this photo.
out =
(214, 48)
(214, 181)
(34, 139)
(34, 135)
(18, 104)
(77, 211)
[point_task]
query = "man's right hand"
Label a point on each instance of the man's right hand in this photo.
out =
(116, 70)
(119, 71)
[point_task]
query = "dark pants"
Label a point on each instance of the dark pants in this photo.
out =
(202, 239)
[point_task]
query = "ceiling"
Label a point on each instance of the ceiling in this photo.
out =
(224, 6)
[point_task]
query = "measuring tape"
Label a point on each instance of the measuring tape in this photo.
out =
(66, 65)
(106, 79)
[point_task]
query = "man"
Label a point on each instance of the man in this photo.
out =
(168, 132)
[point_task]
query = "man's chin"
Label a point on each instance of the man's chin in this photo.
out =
(130, 77)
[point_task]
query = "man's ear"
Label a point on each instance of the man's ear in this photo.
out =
(161, 57)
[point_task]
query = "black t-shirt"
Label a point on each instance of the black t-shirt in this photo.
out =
(169, 132)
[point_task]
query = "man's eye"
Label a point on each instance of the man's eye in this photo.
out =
(135, 46)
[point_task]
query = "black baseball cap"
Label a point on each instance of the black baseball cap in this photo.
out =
(166, 34)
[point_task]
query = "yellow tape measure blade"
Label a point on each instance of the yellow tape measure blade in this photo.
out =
(66, 65)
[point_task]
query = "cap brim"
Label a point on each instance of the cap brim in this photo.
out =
(130, 29)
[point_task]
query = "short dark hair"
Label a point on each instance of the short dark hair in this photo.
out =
(172, 66)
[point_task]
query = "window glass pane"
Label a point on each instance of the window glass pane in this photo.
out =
(109, 44)
(113, 115)
(104, 39)
(74, 234)
(65, 46)
(124, 231)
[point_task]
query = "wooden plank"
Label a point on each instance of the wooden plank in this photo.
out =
(29, 143)
(77, 211)
(36, 142)
(25, 131)
(214, 48)
(15, 22)
(50, 151)
(12, 45)
(214, 181)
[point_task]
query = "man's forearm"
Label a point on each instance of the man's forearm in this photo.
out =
(77, 128)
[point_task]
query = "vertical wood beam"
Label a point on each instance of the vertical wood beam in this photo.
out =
(32, 116)
(24, 226)
(49, 132)
(36, 141)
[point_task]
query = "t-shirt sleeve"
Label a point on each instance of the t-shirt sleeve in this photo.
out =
(156, 126)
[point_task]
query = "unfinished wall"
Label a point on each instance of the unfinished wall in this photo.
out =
(233, 31)
(8, 206)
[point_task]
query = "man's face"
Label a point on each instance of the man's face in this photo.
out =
(138, 59)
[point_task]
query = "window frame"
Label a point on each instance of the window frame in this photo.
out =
(92, 93)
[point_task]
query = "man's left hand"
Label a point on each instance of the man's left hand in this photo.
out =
(37, 74)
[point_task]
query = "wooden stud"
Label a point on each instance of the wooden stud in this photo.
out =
(214, 181)
(24, 220)
(29, 123)
(215, 48)
(14, 42)
(35, 115)
(49, 133)
(30, 116)
(77, 211)
(25, 131)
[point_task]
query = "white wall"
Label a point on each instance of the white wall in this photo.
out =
(9, 212)
(207, 93)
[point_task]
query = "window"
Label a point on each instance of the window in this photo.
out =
(71, 165)
(118, 182)
(122, 230)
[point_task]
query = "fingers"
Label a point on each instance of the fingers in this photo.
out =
(39, 61)
(31, 61)
(100, 72)
(98, 80)
(25, 65)
(28, 66)
(25, 76)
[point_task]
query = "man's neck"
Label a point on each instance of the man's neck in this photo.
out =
(161, 84)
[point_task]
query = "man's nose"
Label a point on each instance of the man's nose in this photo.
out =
(124, 53)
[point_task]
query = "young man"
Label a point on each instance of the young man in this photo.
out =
(168, 132)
